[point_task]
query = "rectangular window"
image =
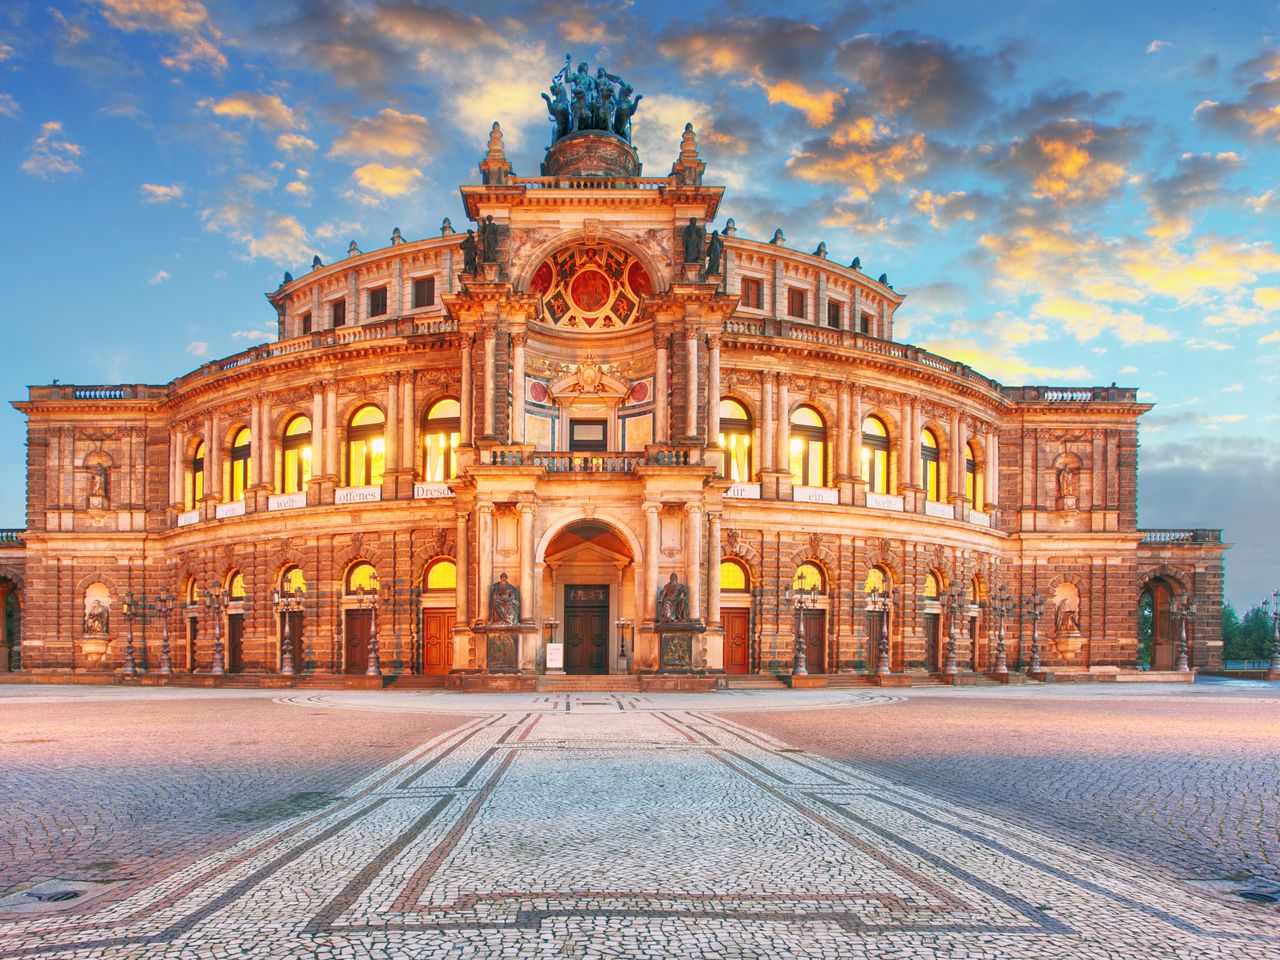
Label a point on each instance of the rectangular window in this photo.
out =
(833, 313)
(752, 293)
(589, 435)
(377, 301)
(866, 324)
(306, 323)
(424, 292)
(339, 310)
(796, 306)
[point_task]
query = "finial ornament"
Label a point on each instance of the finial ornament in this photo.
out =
(446, 227)
(396, 238)
(778, 239)
(821, 251)
(353, 250)
(316, 263)
(856, 264)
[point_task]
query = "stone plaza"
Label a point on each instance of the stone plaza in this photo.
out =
(1026, 821)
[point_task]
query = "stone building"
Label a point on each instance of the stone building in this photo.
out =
(582, 401)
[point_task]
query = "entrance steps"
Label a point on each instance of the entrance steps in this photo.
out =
(755, 681)
(408, 681)
(603, 683)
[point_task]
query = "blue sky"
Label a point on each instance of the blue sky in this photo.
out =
(1068, 192)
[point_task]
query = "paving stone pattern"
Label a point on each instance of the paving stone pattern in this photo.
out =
(1187, 780)
(584, 827)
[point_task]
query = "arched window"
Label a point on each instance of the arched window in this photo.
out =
(292, 580)
(241, 463)
(808, 448)
(440, 440)
(297, 454)
(972, 478)
(195, 488)
(929, 464)
(735, 440)
(366, 447)
(235, 586)
(877, 581)
(733, 577)
(875, 455)
(361, 576)
(809, 576)
(441, 574)
(931, 586)
(192, 592)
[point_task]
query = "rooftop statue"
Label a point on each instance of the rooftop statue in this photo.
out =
(579, 102)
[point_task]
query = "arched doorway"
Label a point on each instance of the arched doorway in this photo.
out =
(1156, 623)
(439, 590)
(360, 597)
(735, 615)
(810, 620)
(586, 566)
(10, 626)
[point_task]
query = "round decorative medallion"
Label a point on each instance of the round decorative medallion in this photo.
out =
(590, 287)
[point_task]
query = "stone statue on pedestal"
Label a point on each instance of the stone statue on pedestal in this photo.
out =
(673, 602)
(694, 235)
(715, 250)
(504, 602)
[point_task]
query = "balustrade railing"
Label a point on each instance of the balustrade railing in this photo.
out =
(1197, 535)
(10, 538)
(588, 462)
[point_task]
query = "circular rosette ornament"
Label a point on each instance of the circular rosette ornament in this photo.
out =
(590, 288)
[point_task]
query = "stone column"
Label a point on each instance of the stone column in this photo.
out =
(784, 425)
(490, 365)
(212, 458)
(662, 408)
(993, 469)
(691, 387)
(318, 463)
(255, 444)
(713, 569)
(913, 410)
(408, 419)
(956, 442)
(391, 438)
(693, 559)
(464, 573)
(266, 473)
(527, 511)
(651, 550)
(177, 491)
(767, 381)
(713, 391)
(332, 467)
(904, 447)
(464, 402)
(484, 558)
(397, 287)
(517, 387)
(857, 416)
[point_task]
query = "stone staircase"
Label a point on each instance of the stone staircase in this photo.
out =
(755, 681)
(612, 683)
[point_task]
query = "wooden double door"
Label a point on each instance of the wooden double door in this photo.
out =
(359, 627)
(737, 640)
(437, 641)
(235, 643)
(815, 640)
(586, 629)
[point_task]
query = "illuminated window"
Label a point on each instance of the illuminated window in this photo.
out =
(292, 580)
(235, 586)
(440, 441)
(735, 439)
(195, 484)
(241, 463)
(972, 478)
(192, 592)
(877, 581)
(442, 575)
(733, 576)
(931, 586)
(929, 463)
(875, 455)
(809, 577)
(808, 448)
(297, 454)
(362, 576)
(366, 447)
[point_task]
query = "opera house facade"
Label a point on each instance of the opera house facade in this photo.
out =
(593, 436)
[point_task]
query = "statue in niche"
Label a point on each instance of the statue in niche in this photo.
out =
(694, 235)
(98, 485)
(673, 602)
(97, 619)
(469, 264)
(489, 240)
(1066, 481)
(715, 250)
(1066, 619)
(504, 602)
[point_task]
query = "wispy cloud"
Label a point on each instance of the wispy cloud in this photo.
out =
(52, 154)
(9, 107)
(198, 349)
(160, 192)
(188, 21)
(159, 277)
(265, 108)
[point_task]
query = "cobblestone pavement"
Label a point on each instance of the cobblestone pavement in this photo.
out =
(1187, 779)
(595, 826)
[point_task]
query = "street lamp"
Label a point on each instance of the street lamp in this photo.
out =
(1274, 665)
(164, 608)
(1002, 604)
(1034, 603)
(956, 602)
(881, 601)
(800, 599)
(130, 613)
(369, 599)
(623, 627)
(288, 604)
(1182, 609)
(215, 604)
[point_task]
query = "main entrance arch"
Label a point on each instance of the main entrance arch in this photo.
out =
(1156, 608)
(588, 586)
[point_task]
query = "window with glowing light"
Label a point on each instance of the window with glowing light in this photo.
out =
(362, 575)
(733, 576)
(929, 464)
(808, 448)
(877, 581)
(809, 576)
(235, 586)
(972, 478)
(931, 586)
(440, 441)
(292, 580)
(366, 447)
(875, 455)
(441, 575)
(241, 463)
(195, 481)
(297, 454)
(735, 440)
